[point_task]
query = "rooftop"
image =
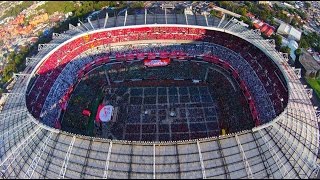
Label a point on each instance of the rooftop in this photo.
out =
(308, 62)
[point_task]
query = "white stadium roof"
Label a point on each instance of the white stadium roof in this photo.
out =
(287, 147)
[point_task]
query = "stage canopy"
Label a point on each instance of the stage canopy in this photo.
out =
(104, 113)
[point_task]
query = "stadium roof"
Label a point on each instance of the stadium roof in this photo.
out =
(284, 148)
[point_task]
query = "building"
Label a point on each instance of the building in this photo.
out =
(257, 24)
(18, 20)
(250, 15)
(309, 66)
(188, 10)
(265, 2)
(39, 19)
(167, 6)
(289, 31)
(265, 28)
(269, 32)
(293, 45)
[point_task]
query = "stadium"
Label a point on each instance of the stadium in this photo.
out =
(159, 95)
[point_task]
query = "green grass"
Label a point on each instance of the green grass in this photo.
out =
(315, 85)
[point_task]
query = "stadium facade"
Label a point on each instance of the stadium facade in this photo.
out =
(285, 147)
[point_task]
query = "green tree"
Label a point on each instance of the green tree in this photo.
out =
(249, 4)
(242, 11)
(246, 20)
(285, 49)
(15, 10)
(303, 43)
(294, 22)
(298, 52)
(308, 5)
(137, 5)
(214, 13)
(278, 40)
(317, 48)
(272, 22)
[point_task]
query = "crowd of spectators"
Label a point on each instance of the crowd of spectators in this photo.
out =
(234, 113)
(254, 67)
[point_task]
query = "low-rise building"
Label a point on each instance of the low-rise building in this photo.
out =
(309, 66)
(289, 31)
(265, 28)
(39, 19)
(265, 2)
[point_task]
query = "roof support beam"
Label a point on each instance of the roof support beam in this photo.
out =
(145, 16)
(307, 91)
(284, 56)
(116, 19)
(85, 164)
(257, 32)
(90, 23)
(315, 172)
(178, 161)
(10, 132)
(98, 19)
(298, 72)
(72, 27)
(227, 22)
(125, 18)
(36, 159)
(16, 75)
(201, 161)
(185, 15)
(12, 113)
(274, 154)
(105, 20)
(222, 19)
(84, 25)
(244, 158)
(195, 18)
(294, 148)
(45, 46)
(266, 164)
(176, 17)
(66, 159)
(60, 36)
(205, 16)
(224, 163)
(318, 114)
(9, 158)
(154, 161)
(230, 28)
(31, 60)
(106, 167)
(7, 115)
(298, 123)
(165, 15)
(268, 44)
(135, 18)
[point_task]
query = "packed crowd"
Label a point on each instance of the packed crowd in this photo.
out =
(252, 66)
(248, 75)
(234, 110)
